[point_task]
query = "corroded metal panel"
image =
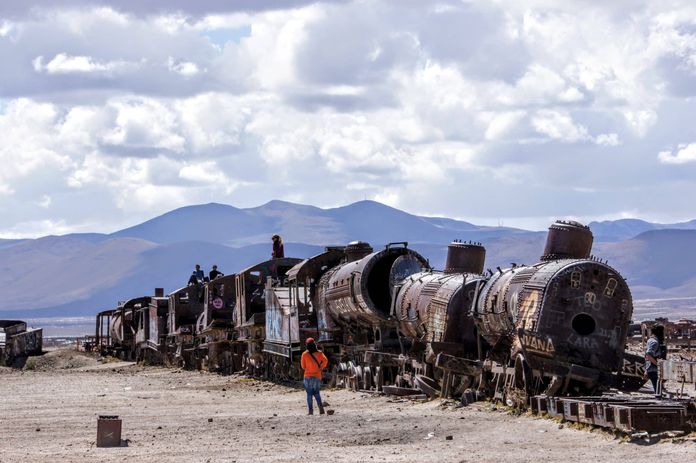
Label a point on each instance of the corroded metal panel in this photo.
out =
(282, 321)
(678, 370)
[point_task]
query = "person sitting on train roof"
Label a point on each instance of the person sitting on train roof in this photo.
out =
(278, 251)
(193, 279)
(214, 273)
(199, 273)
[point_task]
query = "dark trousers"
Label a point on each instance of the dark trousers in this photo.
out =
(652, 375)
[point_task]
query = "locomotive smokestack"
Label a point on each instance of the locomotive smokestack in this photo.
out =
(465, 257)
(159, 292)
(356, 250)
(568, 240)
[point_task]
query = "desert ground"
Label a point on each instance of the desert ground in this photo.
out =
(49, 413)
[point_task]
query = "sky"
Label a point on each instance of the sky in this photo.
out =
(497, 112)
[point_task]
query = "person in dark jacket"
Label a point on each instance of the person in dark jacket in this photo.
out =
(199, 273)
(193, 279)
(214, 273)
(653, 352)
(313, 361)
(278, 251)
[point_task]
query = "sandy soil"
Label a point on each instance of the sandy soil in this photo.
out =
(50, 413)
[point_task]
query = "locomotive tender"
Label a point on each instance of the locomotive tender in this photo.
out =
(385, 318)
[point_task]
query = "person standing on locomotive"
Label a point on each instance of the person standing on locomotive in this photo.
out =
(278, 251)
(653, 352)
(313, 361)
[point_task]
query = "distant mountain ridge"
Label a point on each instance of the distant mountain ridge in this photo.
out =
(81, 274)
(231, 226)
(622, 229)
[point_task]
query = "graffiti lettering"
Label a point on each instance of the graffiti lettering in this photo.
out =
(583, 342)
(535, 343)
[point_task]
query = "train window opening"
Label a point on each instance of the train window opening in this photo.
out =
(583, 324)
(255, 277)
(378, 283)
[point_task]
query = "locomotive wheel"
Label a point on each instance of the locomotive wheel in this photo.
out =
(334, 377)
(246, 365)
(379, 378)
(357, 377)
(367, 378)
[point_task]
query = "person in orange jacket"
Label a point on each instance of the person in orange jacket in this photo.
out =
(313, 361)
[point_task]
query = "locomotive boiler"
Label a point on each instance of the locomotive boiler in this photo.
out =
(561, 323)
(357, 295)
(434, 308)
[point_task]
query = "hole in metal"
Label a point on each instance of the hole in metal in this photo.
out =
(584, 324)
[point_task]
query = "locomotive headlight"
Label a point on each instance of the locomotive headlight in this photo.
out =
(583, 324)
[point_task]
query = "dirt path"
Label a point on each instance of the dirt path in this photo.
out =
(50, 415)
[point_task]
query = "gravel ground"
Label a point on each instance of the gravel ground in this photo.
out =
(50, 413)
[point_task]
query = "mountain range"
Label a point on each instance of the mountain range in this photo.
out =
(81, 274)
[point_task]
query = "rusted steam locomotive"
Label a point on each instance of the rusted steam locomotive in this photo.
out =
(387, 320)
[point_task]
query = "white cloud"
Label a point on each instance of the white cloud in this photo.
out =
(502, 123)
(125, 114)
(608, 139)
(66, 64)
(203, 172)
(28, 130)
(683, 154)
(7, 28)
(144, 123)
(559, 126)
(37, 228)
(184, 68)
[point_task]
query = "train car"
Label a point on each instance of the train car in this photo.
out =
(184, 307)
(250, 310)
(291, 316)
(435, 311)
(215, 327)
(17, 342)
(354, 309)
(151, 329)
(122, 328)
(561, 325)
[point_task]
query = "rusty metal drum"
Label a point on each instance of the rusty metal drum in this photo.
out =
(568, 240)
(465, 257)
(362, 290)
